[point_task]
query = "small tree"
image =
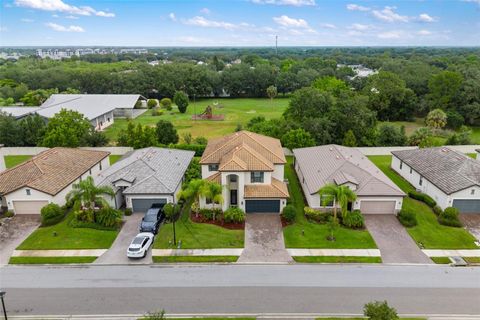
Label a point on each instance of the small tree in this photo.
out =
(166, 103)
(194, 189)
(421, 137)
(339, 195)
(181, 100)
(67, 128)
(379, 310)
(166, 132)
(349, 139)
(436, 119)
(298, 138)
(272, 92)
(187, 137)
(152, 103)
(213, 191)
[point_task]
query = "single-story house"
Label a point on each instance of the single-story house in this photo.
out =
(47, 178)
(146, 176)
(249, 167)
(334, 164)
(451, 178)
(99, 109)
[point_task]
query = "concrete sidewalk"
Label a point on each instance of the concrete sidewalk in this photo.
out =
(335, 252)
(452, 253)
(197, 252)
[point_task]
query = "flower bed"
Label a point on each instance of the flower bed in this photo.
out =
(199, 218)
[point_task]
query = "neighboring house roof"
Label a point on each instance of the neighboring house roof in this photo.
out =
(50, 171)
(244, 151)
(337, 164)
(449, 170)
(278, 189)
(90, 105)
(19, 112)
(150, 170)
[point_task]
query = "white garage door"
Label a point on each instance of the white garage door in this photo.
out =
(377, 207)
(28, 207)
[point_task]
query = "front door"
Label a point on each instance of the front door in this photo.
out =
(233, 198)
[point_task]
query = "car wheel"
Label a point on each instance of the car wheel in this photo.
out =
(144, 254)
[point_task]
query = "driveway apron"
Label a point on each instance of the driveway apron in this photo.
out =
(394, 242)
(472, 224)
(264, 240)
(13, 231)
(117, 254)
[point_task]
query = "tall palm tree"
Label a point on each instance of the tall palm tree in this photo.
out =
(341, 195)
(88, 194)
(213, 191)
(194, 189)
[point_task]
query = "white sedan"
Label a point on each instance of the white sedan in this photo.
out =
(140, 245)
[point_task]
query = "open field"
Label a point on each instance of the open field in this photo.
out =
(236, 111)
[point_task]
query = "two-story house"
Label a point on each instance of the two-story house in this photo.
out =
(249, 167)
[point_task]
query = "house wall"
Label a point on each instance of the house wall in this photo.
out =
(443, 200)
(59, 198)
(103, 121)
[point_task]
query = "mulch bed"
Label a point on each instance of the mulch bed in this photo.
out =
(285, 223)
(220, 223)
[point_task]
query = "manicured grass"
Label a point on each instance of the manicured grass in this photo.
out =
(236, 111)
(68, 238)
(362, 318)
(441, 260)
(194, 259)
(198, 235)
(50, 260)
(429, 233)
(197, 318)
(333, 259)
(472, 155)
(114, 158)
(475, 136)
(12, 161)
(304, 234)
(474, 260)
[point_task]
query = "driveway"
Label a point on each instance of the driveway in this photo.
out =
(264, 240)
(394, 242)
(472, 223)
(117, 254)
(13, 231)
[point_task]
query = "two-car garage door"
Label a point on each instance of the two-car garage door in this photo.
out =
(262, 206)
(377, 207)
(142, 205)
(28, 207)
(467, 205)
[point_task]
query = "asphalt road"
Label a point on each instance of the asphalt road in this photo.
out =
(239, 289)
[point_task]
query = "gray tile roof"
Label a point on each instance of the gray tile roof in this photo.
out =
(337, 164)
(152, 170)
(449, 170)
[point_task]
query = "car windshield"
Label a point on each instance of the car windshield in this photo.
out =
(150, 218)
(138, 240)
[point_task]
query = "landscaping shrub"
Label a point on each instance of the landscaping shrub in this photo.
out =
(234, 215)
(152, 103)
(354, 220)
(108, 217)
(156, 112)
(437, 210)
(51, 214)
(407, 218)
(9, 214)
(166, 103)
(449, 217)
(379, 310)
(128, 212)
(422, 197)
(289, 213)
(207, 214)
(317, 215)
(198, 148)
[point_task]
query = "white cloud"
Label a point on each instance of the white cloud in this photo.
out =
(200, 21)
(295, 3)
(55, 16)
(172, 16)
(356, 7)
(205, 11)
(61, 28)
(390, 35)
(328, 26)
(359, 27)
(286, 21)
(389, 15)
(71, 17)
(27, 20)
(424, 33)
(60, 6)
(426, 18)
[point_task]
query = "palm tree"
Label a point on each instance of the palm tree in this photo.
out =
(195, 189)
(213, 191)
(338, 194)
(88, 194)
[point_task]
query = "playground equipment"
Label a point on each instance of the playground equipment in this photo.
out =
(208, 115)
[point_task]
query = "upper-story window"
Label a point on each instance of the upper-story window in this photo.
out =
(100, 165)
(421, 181)
(233, 178)
(213, 167)
(28, 191)
(411, 170)
(401, 165)
(90, 172)
(256, 176)
(472, 192)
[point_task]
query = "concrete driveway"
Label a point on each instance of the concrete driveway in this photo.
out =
(472, 223)
(394, 242)
(264, 240)
(117, 254)
(13, 231)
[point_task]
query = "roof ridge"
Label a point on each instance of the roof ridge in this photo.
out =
(261, 144)
(255, 154)
(276, 187)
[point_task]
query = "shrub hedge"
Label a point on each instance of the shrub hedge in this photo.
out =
(422, 197)
(437, 210)
(51, 214)
(449, 217)
(289, 213)
(317, 215)
(407, 218)
(354, 220)
(234, 215)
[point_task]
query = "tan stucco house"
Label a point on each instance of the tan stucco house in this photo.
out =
(250, 168)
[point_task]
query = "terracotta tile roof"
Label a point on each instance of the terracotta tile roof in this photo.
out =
(278, 189)
(245, 158)
(256, 150)
(50, 171)
(217, 177)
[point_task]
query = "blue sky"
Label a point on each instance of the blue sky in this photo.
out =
(239, 23)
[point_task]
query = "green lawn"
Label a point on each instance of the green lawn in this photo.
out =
(470, 260)
(198, 235)
(441, 260)
(114, 158)
(475, 136)
(50, 260)
(68, 238)
(12, 161)
(194, 259)
(304, 234)
(236, 111)
(429, 233)
(362, 318)
(472, 155)
(333, 259)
